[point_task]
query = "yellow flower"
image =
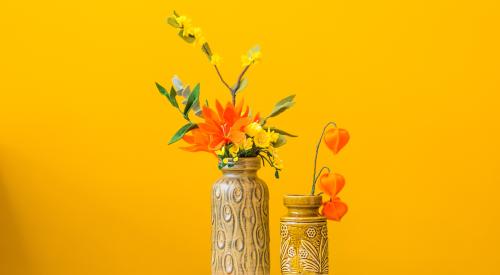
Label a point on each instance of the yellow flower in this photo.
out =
(262, 139)
(253, 129)
(215, 59)
(225, 160)
(278, 163)
(247, 144)
(187, 30)
(235, 159)
(183, 21)
(253, 56)
(221, 151)
(233, 150)
(274, 136)
(197, 32)
(198, 35)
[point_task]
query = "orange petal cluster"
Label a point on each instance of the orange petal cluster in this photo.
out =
(336, 139)
(221, 126)
(331, 184)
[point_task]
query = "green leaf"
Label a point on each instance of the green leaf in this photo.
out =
(282, 106)
(206, 49)
(280, 142)
(243, 85)
(182, 131)
(172, 22)
(193, 97)
(172, 98)
(162, 90)
(281, 132)
(189, 38)
(277, 174)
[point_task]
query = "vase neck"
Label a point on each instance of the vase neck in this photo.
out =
(247, 166)
(302, 205)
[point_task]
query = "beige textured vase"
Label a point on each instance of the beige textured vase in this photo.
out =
(240, 221)
(304, 237)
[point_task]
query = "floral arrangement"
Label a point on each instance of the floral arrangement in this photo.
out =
(228, 131)
(329, 182)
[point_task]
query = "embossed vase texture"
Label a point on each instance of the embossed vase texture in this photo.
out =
(240, 221)
(304, 237)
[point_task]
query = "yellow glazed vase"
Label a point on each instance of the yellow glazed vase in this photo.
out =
(304, 237)
(240, 221)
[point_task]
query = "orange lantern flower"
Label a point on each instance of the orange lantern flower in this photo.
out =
(334, 209)
(332, 184)
(336, 139)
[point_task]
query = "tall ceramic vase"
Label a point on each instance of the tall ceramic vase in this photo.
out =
(304, 237)
(240, 221)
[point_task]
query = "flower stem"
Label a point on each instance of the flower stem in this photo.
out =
(319, 173)
(222, 79)
(313, 188)
(238, 83)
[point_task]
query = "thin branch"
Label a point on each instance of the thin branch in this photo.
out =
(238, 83)
(222, 79)
(241, 76)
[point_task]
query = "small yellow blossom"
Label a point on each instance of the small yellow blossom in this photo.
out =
(253, 129)
(225, 160)
(262, 139)
(187, 31)
(215, 59)
(274, 136)
(235, 159)
(233, 150)
(198, 35)
(278, 163)
(221, 151)
(247, 144)
(253, 56)
(183, 21)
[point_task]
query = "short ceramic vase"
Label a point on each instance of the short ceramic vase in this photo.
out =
(240, 221)
(304, 237)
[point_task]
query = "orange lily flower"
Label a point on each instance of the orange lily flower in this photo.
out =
(332, 184)
(220, 127)
(336, 139)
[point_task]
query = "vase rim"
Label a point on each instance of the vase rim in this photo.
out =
(297, 200)
(243, 163)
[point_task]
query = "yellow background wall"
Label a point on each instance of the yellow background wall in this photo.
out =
(88, 184)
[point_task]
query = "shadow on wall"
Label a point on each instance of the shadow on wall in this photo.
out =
(13, 259)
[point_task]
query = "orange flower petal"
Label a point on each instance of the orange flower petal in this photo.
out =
(239, 107)
(247, 111)
(334, 209)
(188, 139)
(256, 118)
(220, 109)
(331, 183)
(208, 114)
(194, 148)
(336, 139)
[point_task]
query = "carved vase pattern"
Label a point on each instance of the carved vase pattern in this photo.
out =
(304, 237)
(240, 221)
